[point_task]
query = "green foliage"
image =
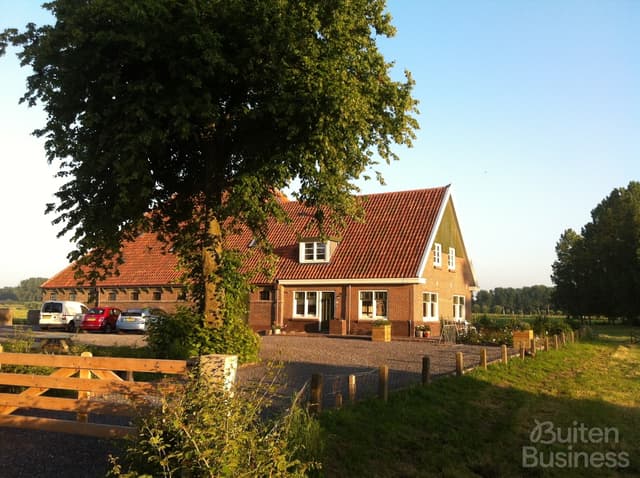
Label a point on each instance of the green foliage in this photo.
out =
(203, 431)
(27, 291)
(168, 115)
(185, 334)
(596, 272)
(536, 299)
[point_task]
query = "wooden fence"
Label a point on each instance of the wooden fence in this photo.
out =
(92, 388)
(316, 391)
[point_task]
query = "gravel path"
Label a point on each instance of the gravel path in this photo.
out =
(27, 453)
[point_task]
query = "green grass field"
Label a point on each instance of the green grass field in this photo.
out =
(504, 422)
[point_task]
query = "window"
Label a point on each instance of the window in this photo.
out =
(373, 304)
(437, 255)
(53, 296)
(314, 252)
(92, 297)
(113, 295)
(429, 306)
(458, 307)
(73, 296)
(265, 294)
(157, 295)
(305, 304)
(451, 260)
(135, 295)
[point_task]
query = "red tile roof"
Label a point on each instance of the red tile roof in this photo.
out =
(145, 264)
(390, 243)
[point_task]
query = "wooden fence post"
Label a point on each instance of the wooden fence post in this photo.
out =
(426, 370)
(483, 358)
(572, 337)
(84, 373)
(563, 338)
(338, 400)
(459, 363)
(352, 388)
(383, 382)
(546, 344)
(505, 355)
(555, 342)
(316, 393)
(521, 351)
(532, 347)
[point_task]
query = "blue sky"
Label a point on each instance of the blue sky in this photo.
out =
(530, 109)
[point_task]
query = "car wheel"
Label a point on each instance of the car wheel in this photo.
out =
(108, 329)
(71, 326)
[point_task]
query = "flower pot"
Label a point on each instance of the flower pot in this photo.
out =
(419, 333)
(381, 333)
(522, 337)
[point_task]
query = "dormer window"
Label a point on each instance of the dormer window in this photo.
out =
(314, 251)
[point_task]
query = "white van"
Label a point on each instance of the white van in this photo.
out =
(62, 314)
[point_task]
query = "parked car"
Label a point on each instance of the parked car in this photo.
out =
(63, 314)
(101, 318)
(137, 320)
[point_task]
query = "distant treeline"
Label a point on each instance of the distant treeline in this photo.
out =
(534, 300)
(27, 291)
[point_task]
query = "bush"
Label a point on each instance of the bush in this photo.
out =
(204, 431)
(185, 334)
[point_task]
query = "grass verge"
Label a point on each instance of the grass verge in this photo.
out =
(494, 423)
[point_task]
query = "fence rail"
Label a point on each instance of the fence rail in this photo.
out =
(332, 390)
(91, 386)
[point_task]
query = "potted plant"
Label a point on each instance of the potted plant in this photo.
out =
(381, 331)
(420, 330)
(276, 329)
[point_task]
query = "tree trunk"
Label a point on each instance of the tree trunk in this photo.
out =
(210, 267)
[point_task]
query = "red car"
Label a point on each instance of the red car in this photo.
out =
(101, 318)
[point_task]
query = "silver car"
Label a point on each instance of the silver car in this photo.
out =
(137, 320)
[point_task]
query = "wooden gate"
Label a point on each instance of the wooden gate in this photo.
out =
(96, 390)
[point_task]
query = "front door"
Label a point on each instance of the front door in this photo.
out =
(326, 310)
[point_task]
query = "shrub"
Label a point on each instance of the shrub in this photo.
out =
(202, 430)
(185, 334)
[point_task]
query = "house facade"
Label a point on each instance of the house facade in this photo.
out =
(405, 262)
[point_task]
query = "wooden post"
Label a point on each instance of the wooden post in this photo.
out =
(383, 382)
(572, 337)
(563, 338)
(315, 405)
(546, 344)
(352, 388)
(483, 358)
(533, 347)
(426, 370)
(459, 363)
(130, 375)
(555, 342)
(338, 400)
(522, 350)
(1, 350)
(505, 355)
(84, 373)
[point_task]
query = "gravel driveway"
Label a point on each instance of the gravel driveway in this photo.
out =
(336, 358)
(27, 453)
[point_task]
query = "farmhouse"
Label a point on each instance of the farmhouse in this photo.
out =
(405, 262)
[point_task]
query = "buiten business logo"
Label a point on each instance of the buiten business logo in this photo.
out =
(568, 441)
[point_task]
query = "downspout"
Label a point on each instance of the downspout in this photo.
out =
(348, 309)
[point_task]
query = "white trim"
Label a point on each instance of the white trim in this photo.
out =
(427, 252)
(381, 281)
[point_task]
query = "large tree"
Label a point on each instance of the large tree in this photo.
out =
(177, 115)
(598, 271)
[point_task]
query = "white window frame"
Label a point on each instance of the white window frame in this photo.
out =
(459, 308)
(318, 252)
(429, 306)
(437, 255)
(307, 302)
(451, 259)
(376, 297)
